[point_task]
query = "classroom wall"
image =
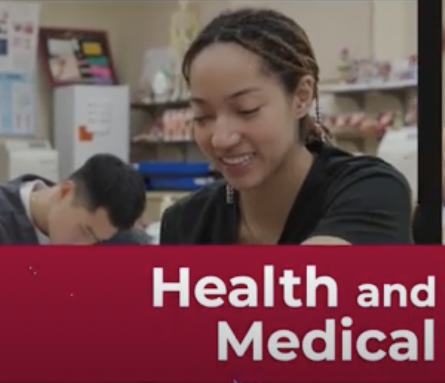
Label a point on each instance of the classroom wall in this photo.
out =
(101, 15)
(387, 28)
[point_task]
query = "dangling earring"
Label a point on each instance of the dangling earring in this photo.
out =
(229, 194)
(317, 112)
(320, 129)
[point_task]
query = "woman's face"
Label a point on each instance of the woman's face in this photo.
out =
(244, 121)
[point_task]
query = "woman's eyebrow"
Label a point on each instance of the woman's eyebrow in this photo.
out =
(243, 92)
(238, 93)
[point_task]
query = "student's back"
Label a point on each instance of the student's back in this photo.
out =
(15, 225)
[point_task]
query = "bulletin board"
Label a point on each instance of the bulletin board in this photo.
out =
(72, 56)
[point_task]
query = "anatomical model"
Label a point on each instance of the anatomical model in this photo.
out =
(184, 28)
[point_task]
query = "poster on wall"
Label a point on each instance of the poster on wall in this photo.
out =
(76, 57)
(19, 26)
(17, 105)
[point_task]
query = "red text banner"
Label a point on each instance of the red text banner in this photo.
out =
(222, 314)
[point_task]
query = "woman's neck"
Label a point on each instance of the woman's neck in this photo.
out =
(266, 207)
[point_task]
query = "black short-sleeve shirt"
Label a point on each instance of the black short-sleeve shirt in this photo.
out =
(360, 199)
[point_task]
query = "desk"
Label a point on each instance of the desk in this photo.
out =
(157, 200)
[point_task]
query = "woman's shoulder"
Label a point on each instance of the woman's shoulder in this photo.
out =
(346, 167)
(363, 199)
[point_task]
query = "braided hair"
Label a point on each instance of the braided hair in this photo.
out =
(282, 44)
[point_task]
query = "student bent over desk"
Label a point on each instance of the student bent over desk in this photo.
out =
(98, 204)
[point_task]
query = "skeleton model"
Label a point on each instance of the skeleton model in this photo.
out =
(184, 28)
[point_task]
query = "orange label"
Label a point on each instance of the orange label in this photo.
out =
(84, 135)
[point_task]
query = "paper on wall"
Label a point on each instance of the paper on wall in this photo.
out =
(17, 105)
(99, 116)
(19, 27)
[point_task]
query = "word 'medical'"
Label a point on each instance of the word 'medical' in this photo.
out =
(282, 344)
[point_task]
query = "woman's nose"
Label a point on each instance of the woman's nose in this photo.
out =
(224, 137)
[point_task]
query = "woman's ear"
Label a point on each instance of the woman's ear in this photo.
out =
(303, 96)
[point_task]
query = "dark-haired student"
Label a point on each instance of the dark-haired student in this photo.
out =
(253, 78)
(98, 203)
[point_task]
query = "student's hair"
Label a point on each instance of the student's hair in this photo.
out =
(281, 43)
(107, 182)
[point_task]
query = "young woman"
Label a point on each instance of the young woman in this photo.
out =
(253, 78)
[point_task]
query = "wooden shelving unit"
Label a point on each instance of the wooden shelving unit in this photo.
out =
(359, 92)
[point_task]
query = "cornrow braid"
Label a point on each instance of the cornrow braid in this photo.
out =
(282, 44)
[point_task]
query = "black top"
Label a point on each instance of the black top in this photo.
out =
(360, 199)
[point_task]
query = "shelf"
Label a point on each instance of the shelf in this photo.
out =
(141, 140)
(354, 134)
(368, 87)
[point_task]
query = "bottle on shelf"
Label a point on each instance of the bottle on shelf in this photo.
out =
(347, 67)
